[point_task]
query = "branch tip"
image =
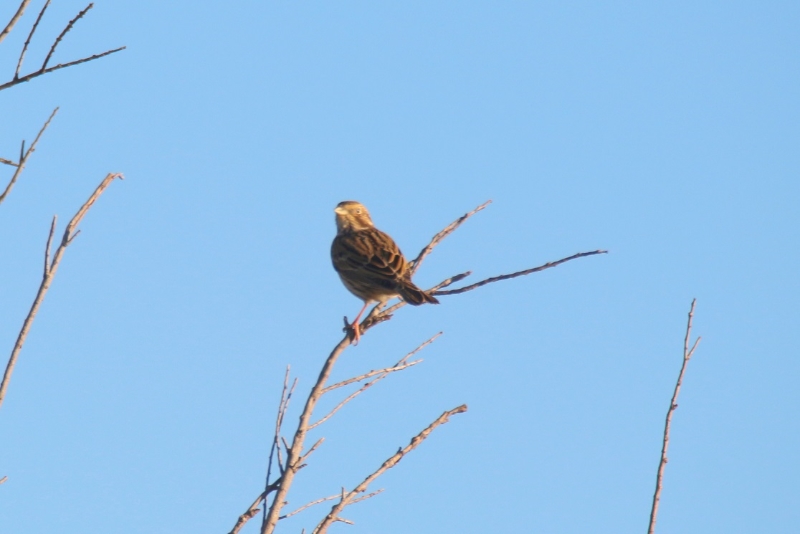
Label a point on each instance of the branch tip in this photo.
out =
(673, 405)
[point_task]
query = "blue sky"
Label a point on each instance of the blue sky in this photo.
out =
(666, 133)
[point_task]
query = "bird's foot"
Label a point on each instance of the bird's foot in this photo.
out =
(353, 330)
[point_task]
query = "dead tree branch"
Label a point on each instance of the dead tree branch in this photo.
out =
(294, 454)
(30, 36)
(14, 19)
(286, 397)
(449, 229)
(303, 458)
(376, 316)
(348, 498)
(295, 458)
(673, 405)
(381, 374)
(23, 157)
(359, 378)
(309, 505)
(292, 464)
(50, 268)
(44, 69)
(253, 510)
(518, 273)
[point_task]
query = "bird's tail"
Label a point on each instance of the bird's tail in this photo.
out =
(414, 295)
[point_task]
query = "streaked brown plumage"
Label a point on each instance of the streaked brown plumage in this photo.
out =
(369, 262)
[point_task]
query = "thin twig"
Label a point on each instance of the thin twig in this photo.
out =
(368, 496)
(347, 399)
(309, 505)
(376, 316)
(450, 281)
(28, 40)
(47, 279)
(25, 154)
(64, 32)
(295, 451)
(518, 273)
(449, 229)
(276, 446)
(673, 405)
(14, 19)
(40, 72)
(47, 247)
(359, 378)
(253, 509)
(294, 456)
(401, 364)
(382, 373)
(348, 497)
(303, 458)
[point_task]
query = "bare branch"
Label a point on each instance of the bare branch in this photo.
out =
(309, 505)
(518, 273)
(253, 510)
(367, 496)
(64, 32)
(347, 498)
(24, 155)
(294, 453)
(44, 69)
(382, 373)
(47, 247)
(47, 278)
(401, 364)
(40, 72)
(28, 40)
(345, 401)
(450, 281)
(14, 19)
(283, 405)
(673, 405)
(441, 235)
(376, 316)
(359, 378)
(303, 458)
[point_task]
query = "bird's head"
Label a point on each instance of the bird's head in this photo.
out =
(352, 216)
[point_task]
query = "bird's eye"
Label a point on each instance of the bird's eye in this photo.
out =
(358, 211)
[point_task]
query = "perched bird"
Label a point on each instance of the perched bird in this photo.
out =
(369, 262)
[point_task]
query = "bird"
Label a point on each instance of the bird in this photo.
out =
(369, 262)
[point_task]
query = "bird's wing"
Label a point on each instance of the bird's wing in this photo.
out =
(370, 252)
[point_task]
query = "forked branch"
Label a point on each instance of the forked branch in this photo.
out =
(673, 405)
(295, 457)
(253, 509)
(23, 157)
(44, 69)
(381, 374)
(50, 268)
(350, 497)
(549, 265)
(438, 238)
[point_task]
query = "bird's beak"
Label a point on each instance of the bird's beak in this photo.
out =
(340, 210)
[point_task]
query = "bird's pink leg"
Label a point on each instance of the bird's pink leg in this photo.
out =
(354, 324)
